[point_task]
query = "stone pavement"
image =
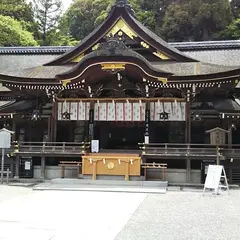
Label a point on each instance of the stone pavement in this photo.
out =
(56, 215)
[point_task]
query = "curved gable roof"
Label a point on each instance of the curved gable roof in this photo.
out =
(122, 12)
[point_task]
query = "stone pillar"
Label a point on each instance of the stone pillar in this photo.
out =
(188, 170)
(17, 161)
(43, 164)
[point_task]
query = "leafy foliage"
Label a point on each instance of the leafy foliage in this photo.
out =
(173, 20)
(13, 34)
(17, 9)
(47, 15)
(196, 19)
(84, 15)
(177, 23)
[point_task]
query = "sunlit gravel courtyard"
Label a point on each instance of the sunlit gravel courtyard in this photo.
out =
(55, 215)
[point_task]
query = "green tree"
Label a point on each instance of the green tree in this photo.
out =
(212, 16)
(196, 20)
(47, 14)
(13, 34)
(235, 7)
(17, 9)
(84, 16)
(56, 38)
(157, 8)
(177, 23)
(232, 31)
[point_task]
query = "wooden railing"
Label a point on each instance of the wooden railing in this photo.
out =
(53, 147)
(175, 149)
(161, 149)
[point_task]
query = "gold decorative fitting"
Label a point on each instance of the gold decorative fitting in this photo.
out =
(163, 80)
(120, 33)
(113, 66)
(78, 58)
(145, 45)
(161, 55)
(95, 47)
(65, 82)
(121, 26)
(236, 81)
(110, 165)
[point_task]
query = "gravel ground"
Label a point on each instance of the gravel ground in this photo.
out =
(185, 216)
(57, 215)
(61, 215)
(8, 193)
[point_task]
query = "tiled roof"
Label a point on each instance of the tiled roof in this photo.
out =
(182, 46)
(207, 45)
(35, 50)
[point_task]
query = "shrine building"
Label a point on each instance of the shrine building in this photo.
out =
(123, 103)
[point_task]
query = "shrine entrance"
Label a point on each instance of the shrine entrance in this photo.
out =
(119, 135)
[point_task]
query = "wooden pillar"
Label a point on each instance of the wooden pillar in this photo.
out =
(91, 122)
(147, 123)
(229, 137)
(53, 124)
(14, 128)
(43, 164)
(49, 129)
(188, 118)
(188, 168)
(127, 171)
(94, 174)
(230, 164)
(17, 165)
(230, 168)
(11, 169)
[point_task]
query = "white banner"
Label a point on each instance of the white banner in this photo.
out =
(122, 112)
(79, 111)
(176, 111)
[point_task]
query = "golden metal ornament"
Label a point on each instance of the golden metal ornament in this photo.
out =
(161, 55)
(145, 45)
(113, 66)
(95, 47)
(65, 82)
(78, 58)
(163, 80)
(122, 25)
(111, 165)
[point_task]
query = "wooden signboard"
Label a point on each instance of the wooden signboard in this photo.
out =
(215, 174)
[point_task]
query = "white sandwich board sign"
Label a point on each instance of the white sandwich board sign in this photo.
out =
(216, 179)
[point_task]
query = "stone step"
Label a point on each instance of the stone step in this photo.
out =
(150, 184)
(99, 188)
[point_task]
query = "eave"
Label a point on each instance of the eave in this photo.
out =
(146, 69)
